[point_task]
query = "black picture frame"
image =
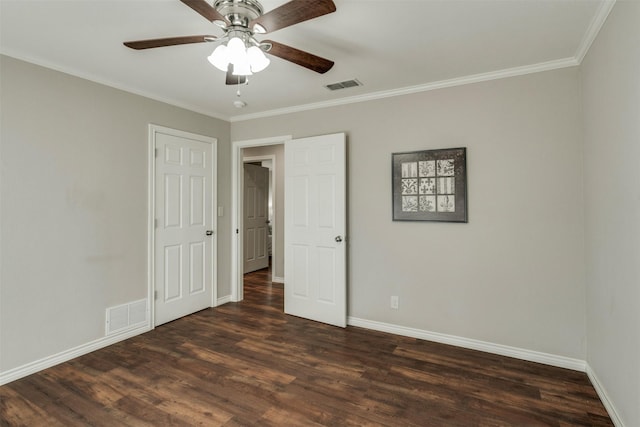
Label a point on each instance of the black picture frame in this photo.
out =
(430, 185)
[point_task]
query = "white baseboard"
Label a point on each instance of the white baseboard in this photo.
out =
(277, 279)
(64, 356)
(503, 350)
(223, 300)
(604, 397)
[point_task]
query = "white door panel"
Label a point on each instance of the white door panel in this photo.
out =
(256, 217)
(315, 228)
(184, 172)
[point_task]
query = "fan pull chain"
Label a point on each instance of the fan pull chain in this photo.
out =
(239, 103)
(238, 91)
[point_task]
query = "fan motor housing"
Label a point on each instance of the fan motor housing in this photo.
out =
(239, 12)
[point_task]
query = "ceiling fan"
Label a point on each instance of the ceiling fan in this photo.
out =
(241, 20)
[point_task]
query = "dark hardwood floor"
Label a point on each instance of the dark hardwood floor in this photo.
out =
(248, 364)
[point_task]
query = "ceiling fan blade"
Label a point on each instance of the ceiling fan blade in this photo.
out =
(292, 13)
(234, 80)
(168, 41)
(206, 10)
(300, 57)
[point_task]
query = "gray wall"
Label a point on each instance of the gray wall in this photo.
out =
(278, 178)
(73, 187)
(611, 93)
(514, 274)
(74, 205)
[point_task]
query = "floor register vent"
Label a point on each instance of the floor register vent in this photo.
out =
(344, 85)
(126, 316)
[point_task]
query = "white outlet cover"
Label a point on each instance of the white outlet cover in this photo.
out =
(394, 302)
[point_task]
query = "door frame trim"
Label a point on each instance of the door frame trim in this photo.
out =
(151, 209)
(237, 182)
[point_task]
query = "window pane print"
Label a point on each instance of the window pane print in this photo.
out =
(427, 186)
(427, 203)
(410, 170)
(410, 203)
(410, 186)
(446, 203)
(446, 185)
(427, 168)
(446, 167)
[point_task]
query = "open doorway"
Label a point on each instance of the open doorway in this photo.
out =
(271, 151)
(314, 229)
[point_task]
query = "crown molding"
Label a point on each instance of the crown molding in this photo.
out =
(95, 79)
(587, 40)
(460, 81)
(594, 28)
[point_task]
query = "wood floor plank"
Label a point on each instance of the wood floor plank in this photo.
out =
(249, 364)
(16, 407)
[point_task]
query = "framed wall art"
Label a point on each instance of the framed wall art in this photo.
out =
(430, 185)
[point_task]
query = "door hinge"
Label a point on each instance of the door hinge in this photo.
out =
(155, 223)
(155, 295)
(156, 152)
(237, 232)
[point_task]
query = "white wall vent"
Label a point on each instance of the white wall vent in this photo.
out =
(138, 312)
(344, 85)
(126, 316)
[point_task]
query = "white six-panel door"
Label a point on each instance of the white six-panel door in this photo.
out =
(315, 228)
(184, 240)
(256, 217)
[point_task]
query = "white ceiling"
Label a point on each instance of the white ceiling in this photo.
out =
(392, 47)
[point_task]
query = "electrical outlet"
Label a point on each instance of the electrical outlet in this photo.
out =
(394, 302)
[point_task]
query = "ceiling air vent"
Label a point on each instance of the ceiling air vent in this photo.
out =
(343, 85)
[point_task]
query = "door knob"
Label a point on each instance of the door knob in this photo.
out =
(209, 232)
(338, 239)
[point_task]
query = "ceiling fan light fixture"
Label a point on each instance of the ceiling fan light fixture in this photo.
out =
(240, 54)
(237, 50)
(220, 23)
(259, 29)
(220, 58)
(257, 59)
(242, 68)
(245, 61)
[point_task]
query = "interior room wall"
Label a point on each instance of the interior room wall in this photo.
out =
(514, 274)
(278, 152)
(611, 106)
(73, 235)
